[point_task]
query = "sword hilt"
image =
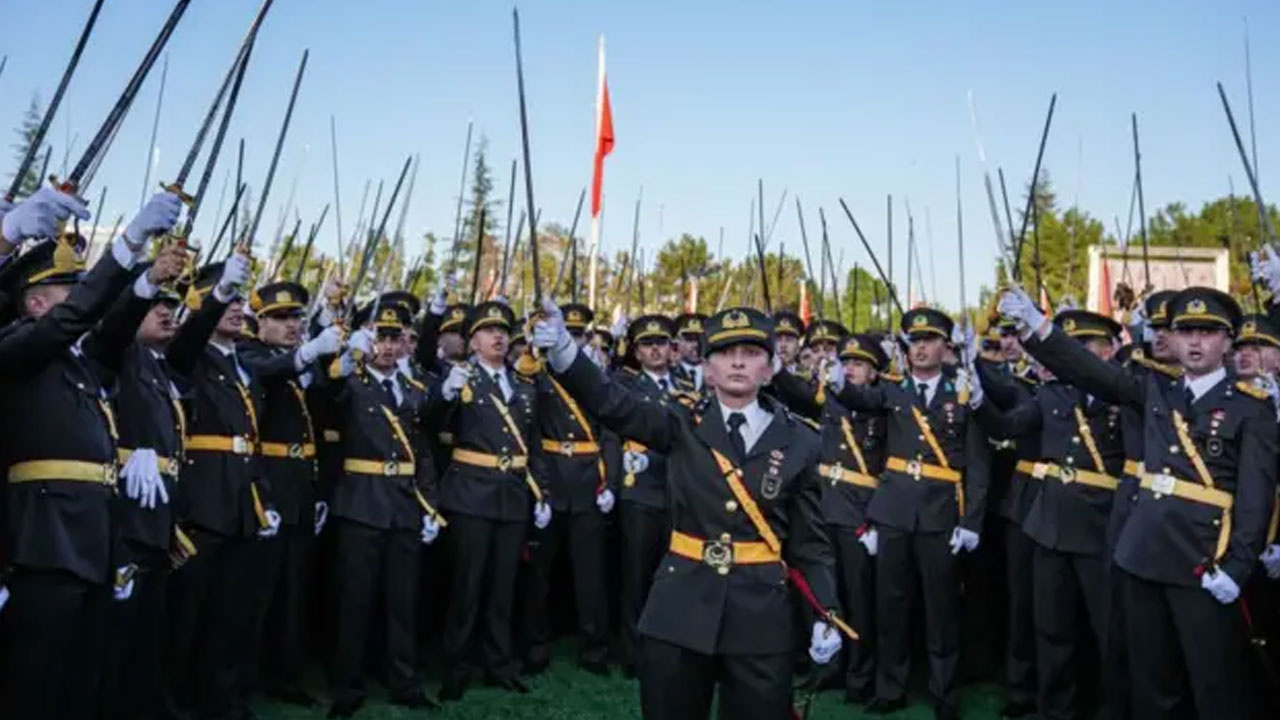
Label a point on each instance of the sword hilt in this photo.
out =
(176, 189)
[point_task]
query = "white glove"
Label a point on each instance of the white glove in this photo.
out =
(870, 540)
(968, 377)
(962, 539)
(322, 515)
(835, 376)
(235, 273)
(453, 383)
(123, 592)
(38, 216)
(1264, 266)
(273, 525)
(619, 329)
(604, 501)
(962, 337)
(550, 334)
(362, 341)
(541, 515)
(1220, 586)
(439, 301)
(5, 207)
(824, 644)
(142, 480)
(634, 462)
(430, 529)
(1271, 561)
(1017, 305)
(4, 597)
(328, 342)
(158, 216)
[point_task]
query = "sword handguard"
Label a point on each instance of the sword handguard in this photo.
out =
(176, 189)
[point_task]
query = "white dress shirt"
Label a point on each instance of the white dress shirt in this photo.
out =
(695, 371)
(499, 375)
(930, 386)
(659, 379)
(1203, 384)
(394, 377)
(231, 353)
(758, 420)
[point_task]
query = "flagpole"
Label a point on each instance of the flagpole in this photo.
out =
(594, 245)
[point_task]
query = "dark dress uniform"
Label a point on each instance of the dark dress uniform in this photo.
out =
(149, 415)
(1082, 456)
(487, 493)
(224, 499)
(573, 460)
(719, 612)
(59, 454)
(1186, 649)
(289, 458)
(935, 480)
(386, 489)
(853, 456)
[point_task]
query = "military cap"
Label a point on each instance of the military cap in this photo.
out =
(454, 318)
(603, 337)
(1006, 326)
(517, 331)
(825, 331)
(1156, 307)
(1257, 329)
(249, 328)
(648, 327)
(736, 326)
(863, 347)
(490, 314)
(1082, 324)
(926, 321)
(52, 262)
(1204, 307)
(279, 298)
(391, 318)
(577, 317)
(405, 298)
(691, 324)
(786, 322)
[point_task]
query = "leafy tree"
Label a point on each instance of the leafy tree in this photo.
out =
(26, 138)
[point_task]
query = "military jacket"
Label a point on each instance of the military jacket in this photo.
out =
(574, 474)
(287, 432)
(1012, 489)
(648, 488)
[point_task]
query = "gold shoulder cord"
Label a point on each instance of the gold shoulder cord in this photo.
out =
(852, 442)
(1087, 434)
(1189, 447)
(515, 432)
(929, 437)
(582, 423)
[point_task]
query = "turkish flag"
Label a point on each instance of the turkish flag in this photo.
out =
(604, 136)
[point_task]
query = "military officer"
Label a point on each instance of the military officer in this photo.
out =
(853, 456)
(1200, 519)
(571, 444)
(788, 327)
(384, 508)
(1081, 459)
(825, 338)
(745, 505)
(286, 367)
(492, 486)
(688, 369)
(928, 508)
(60, 449)
(1257, 350)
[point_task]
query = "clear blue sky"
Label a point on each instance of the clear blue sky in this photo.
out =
(828, 99)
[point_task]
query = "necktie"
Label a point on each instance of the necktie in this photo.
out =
(502, 386)
(663, 385)
(1188, 396)
(922, 392)
(736, 421)
(391, 392)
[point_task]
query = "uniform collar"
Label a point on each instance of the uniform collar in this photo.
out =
(1203, 384)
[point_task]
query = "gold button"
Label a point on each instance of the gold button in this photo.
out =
(725, 537)
(1216, 523)
(1173, 449)
(1075, 439)
(731, 505)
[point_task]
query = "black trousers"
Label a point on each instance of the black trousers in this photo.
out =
(1187, 653)
(583, 534)
(285, 575)
(134, 688)
(372, 563)
(855, 570)
(1116, 699)
(1020, 635)
(52, 640)
(646, 533)
(1063, 583)
(677, 684)
(486, 555)
(210, 625)
(904, 559)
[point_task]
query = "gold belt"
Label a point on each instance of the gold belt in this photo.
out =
(1164, 484)
(1133, 468)
(495, 462)
(295, 451)
(570, 448)
(722, 554)
(918, 469)
(1068, 475)
(235, 444)
(331, 435)
(385, 468)
(837, 472)
(70, 470)
(168, 466)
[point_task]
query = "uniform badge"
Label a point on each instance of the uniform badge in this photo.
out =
(1214, 446)
(772, 482)
(1218, 415)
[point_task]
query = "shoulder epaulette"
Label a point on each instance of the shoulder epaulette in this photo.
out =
(1173, 372)
(631, 371)
(414, 383)
(1252, 390)
(892, 377)
(812, 424)
(1028, 380)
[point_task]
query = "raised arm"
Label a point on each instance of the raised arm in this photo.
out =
(1018, 420)
(1070, 361)
(797, 395)
(618, 408)
(1000, 388)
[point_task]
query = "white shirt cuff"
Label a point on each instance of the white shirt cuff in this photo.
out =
(144, 288)
(125, 255)
(222, 297)
(562, 356)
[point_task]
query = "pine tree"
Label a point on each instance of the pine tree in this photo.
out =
(27, 135)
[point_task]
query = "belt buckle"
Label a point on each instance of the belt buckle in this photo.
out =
(915, 469)
(295, 450)
(566, 448)
(1067, 475)
(239, 445)
(718, 554)
(169, 466)
(1163, 483)
(833, 472)
(109, 473)
(504, 462)
(1039, 470)
(390, 468)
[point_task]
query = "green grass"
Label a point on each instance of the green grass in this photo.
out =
(566, 693)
